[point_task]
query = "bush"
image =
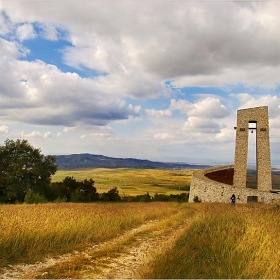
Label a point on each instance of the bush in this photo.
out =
(58, 190)
(161, 197)
(60, 199)
(141, 198)
(183, 197)
(32, 197)
(77, 196)
(196, 199)
(111, 195)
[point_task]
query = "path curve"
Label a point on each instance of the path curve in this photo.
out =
(122, 257)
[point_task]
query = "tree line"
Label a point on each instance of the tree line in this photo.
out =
(25, 176)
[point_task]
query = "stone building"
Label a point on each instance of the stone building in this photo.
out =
(217, 184)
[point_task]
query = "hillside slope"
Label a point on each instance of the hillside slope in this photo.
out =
(80, 161)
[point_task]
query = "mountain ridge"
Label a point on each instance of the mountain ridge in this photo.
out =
(86, 160)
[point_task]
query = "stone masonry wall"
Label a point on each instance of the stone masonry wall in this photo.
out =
(208, 190)
(258, 116)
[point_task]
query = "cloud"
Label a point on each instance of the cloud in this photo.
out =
(4, 129)
(205, 119)
(209, 45)
(139, 57)
(46, 96)
(49, 31)
(5, 26)
(202, 125)
(216, 43)
(162, 136)
(209, 107)
(272, 101)
(158, 113)
(70, 129)
(47, 134)
(102, 132)
(10, 51)
(26, 32)
(36, 134)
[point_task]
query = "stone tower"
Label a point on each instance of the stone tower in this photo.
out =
(258, 116)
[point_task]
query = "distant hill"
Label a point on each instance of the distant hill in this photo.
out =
(81, 161)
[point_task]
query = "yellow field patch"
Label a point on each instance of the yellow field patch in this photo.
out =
(131, 182)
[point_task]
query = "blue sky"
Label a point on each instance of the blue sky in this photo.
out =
(158, 80)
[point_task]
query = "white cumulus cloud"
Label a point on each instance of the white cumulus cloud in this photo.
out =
(202, 125)
(26, 32)
(4, 129)
(159, 113)
(35, 134)
(162, 136)
(209, 107)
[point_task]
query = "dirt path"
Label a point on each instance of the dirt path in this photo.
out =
(123, 257)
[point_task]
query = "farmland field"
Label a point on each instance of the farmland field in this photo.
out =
(132, 182)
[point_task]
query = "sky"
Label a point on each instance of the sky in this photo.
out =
(158, 79)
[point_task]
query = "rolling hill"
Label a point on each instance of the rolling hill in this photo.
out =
(81, 161)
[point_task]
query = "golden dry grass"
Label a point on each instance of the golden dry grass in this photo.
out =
(229, 242)
(223, 241)
(112, 259)
(30, 232)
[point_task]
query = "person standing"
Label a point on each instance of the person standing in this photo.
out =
(232, 199)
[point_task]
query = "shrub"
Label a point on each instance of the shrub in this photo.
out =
(77, 196)
(32, 197)
(60, 199)
(161, 197)
(196, 199)
(58, 190)
(111, 195)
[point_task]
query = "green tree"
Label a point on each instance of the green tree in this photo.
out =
(23, 168)
(64, 189)
(85, 192)
(111, 195)
(58, 190)
(71, 183)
